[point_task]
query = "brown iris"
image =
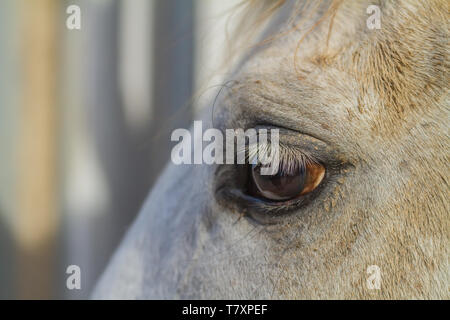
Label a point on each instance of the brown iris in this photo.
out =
(285, 185)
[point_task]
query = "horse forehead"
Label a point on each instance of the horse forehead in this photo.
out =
(354, 60)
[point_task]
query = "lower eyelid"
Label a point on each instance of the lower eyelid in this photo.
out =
(262, 212)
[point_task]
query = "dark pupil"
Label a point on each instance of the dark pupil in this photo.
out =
(280, 186)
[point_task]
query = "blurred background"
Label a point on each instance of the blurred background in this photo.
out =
(85, 123)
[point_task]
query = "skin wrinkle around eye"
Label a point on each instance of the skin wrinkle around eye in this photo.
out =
(318, 105)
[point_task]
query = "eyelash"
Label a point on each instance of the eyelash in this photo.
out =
(291, 159)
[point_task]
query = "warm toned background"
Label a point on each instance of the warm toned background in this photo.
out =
(85, 122)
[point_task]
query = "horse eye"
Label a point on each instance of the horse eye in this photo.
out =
(285, 186)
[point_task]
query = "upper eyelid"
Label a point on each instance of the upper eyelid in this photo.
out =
(303, 144)
(294, 149)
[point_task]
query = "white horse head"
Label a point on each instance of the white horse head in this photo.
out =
(371, 107)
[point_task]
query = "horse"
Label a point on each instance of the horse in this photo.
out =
(360, 212)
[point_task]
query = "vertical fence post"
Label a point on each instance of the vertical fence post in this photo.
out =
(36, 223)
